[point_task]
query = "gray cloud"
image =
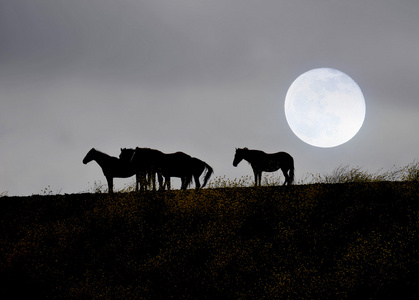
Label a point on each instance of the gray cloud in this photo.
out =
(203, 77)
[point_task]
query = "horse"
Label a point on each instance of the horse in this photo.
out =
(261, 161)
(165, 165)
(112, 167)
(146, 171)
(177, 164)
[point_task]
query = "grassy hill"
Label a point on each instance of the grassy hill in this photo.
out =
(306, 241)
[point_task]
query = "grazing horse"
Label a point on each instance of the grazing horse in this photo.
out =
(112, 167)
(261, 161)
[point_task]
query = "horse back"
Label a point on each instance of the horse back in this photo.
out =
(118, 168)
(272, 161)
(285, 159)
(176, 159)
(283, 155)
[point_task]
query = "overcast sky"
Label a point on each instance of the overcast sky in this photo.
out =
(202, 77)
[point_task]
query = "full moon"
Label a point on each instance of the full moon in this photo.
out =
(324, 107)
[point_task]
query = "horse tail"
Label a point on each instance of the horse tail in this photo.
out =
(209, 172)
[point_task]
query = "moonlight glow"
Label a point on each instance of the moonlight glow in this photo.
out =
(324, 107)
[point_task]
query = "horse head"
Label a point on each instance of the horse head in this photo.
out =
(238, 157)
(89, 156)
(126, 154)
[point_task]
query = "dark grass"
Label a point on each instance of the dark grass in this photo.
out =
(313, 241)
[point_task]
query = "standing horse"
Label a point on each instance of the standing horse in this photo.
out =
(166, 165)
(261, 161)
(146, 168)
(170, 165)
(112, 167)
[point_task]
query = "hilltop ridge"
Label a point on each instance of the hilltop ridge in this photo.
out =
(303, 241)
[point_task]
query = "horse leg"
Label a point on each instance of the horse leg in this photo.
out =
(150, 180)
(184, 183)
(110, 184)
(160, 178)
(139, 181)
(147, 181)
(153, 178)
(186, 180)
(167, 182)
(146, 177)
(143, 181)
(256, 177)
(197, 183)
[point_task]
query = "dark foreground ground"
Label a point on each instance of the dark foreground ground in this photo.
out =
(303, 242)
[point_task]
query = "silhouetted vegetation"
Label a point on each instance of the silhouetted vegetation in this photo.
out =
(345, 174)
(304, 241)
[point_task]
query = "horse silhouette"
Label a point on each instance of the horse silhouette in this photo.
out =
(177, 164)
(264, 162)
(112, 167)
(166, 165)
(146, 169)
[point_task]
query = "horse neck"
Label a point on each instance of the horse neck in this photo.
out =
(101, 158)
(251, 155)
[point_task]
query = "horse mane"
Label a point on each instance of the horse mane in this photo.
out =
(100, 152)
(143, 148)
(103, 153)
(252, 150)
